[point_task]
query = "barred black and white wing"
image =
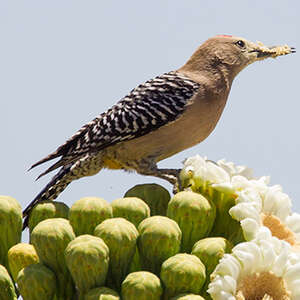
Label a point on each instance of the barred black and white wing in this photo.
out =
(149, 106)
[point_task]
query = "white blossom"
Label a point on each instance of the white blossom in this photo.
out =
(270, 208)
(234, 170)
(266, 258)
(200, 173)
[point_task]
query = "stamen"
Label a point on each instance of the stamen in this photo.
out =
(279, 229)
(262, 286)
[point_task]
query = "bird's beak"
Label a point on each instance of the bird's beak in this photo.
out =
(262, 52)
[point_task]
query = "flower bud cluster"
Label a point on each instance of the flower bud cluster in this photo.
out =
(224, 235)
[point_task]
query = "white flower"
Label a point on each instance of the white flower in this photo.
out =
(199, 172)
(256, 203)
(268, 207)
(234, 170)
(239, 183)
(264, 266)
(202, 172)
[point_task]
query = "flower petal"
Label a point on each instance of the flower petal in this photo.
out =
(276, 202)
(222, 288)
(293, 222)
(224, 187)
(250, 228)
(249, 255)
(281, 261)
(228, 265)
(234, 170)
(245, 210)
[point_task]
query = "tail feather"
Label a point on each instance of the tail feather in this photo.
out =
(87, 165)
(50, 192)
(66, 150)
(45, 159)
(62, 162)
(51, 168)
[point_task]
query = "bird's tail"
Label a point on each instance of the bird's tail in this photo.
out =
(51, 191)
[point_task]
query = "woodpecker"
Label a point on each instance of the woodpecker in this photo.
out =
(157, 119)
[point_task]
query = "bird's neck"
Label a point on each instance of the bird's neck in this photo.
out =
(218, 79)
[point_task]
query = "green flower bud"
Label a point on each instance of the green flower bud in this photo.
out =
(102, 293)
(10, 225)
(36, 282)
(86, 213)
(50, 239)
(186, 296)
(159, 239)
(87, 258)
(120, 236)
(21, 256)
(210, 251)
(225, 225)
(46, 210)
(156, 196)
(132, 209)
(142, 286)
(182, 273)
(207, 178)
(195, 216)
(7, 288)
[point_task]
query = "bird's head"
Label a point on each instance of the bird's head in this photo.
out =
(232, 53)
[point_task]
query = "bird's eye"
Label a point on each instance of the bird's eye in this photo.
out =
(240, 43)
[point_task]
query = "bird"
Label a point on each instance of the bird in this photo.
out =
(157, 119)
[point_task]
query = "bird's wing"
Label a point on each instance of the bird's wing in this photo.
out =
(149, 106)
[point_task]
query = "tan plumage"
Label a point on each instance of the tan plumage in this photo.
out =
(158, 119)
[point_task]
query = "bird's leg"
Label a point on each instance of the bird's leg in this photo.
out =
(171, 175)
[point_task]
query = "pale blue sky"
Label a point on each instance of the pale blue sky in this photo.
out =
(64, 62)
